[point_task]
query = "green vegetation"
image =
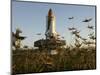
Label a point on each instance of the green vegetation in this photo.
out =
(33, 61)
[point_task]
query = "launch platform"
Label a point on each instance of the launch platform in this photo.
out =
(51, 44)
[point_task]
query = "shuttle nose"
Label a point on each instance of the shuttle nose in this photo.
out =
(50, 12)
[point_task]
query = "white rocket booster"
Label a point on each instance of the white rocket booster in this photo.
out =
(50, 27)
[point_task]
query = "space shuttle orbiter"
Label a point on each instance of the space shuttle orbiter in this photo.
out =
(50, 26)
(52, 40)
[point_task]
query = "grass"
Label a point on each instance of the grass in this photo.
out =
(37, 61)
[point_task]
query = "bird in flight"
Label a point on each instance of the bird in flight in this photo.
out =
(72, 28)
(92, 37)
(62, 37)
(77, 35)
(90, 27)
(38, 34)
(87, 20)
(71, 18)
(75, 32)
(84, 39)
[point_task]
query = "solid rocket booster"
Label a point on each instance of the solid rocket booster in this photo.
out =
(50, 27)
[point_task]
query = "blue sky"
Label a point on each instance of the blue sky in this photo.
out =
(30, 17)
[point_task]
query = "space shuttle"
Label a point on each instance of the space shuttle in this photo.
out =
(52, 40)
(50, 26)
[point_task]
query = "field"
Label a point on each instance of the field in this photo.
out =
(37, 61)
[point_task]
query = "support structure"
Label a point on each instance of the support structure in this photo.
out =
(17, 38)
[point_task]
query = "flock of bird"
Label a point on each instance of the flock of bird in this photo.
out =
(76, 32)
(86, 21)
